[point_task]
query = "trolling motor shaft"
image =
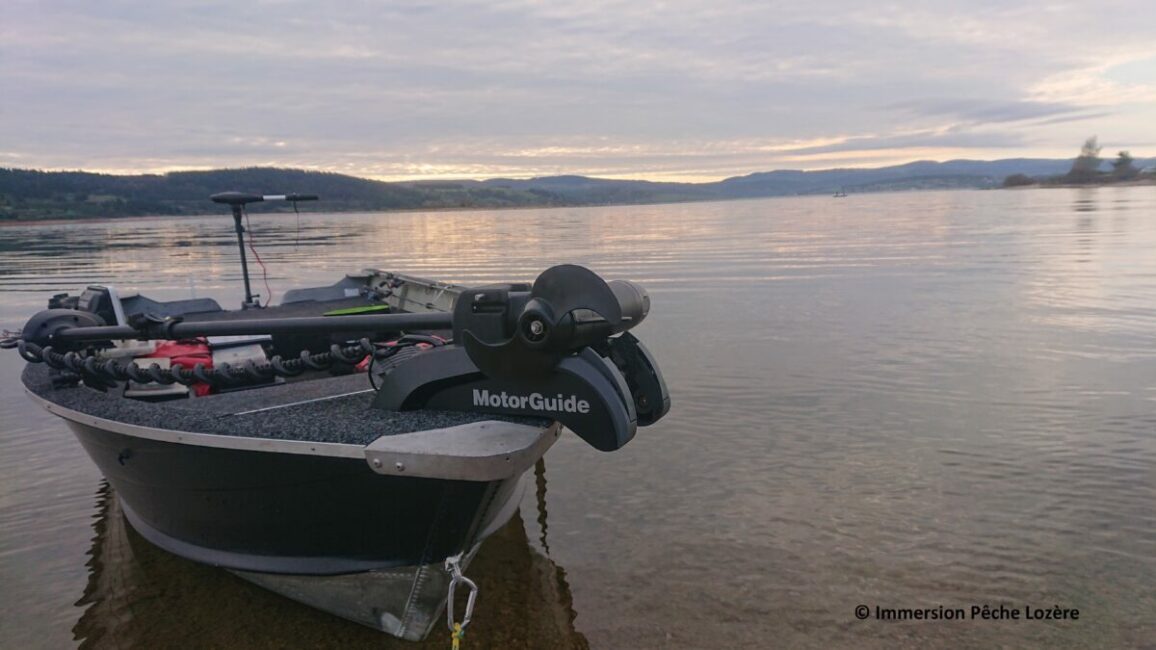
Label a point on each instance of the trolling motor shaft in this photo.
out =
(64, 328)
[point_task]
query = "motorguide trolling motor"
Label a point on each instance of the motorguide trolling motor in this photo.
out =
(558, 349)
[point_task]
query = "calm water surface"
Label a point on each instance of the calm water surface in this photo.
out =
(902, 400)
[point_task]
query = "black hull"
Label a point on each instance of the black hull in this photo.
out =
(275, 512)
(139, 597)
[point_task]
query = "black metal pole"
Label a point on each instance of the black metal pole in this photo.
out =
(180, 330)
(237, 207)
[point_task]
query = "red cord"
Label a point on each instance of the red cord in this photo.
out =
(264, 271)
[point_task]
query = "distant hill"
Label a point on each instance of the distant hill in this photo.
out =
(29, 194)
(26, 194)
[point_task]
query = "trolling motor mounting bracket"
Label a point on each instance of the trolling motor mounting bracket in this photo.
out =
(586, 393)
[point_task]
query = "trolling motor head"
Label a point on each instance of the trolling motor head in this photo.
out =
(557, 349)
(518, 332)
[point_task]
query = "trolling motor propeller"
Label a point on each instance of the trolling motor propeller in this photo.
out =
(511, 333)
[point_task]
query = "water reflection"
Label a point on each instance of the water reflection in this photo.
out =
(139, 596)
(1086, 200)
(540, 500)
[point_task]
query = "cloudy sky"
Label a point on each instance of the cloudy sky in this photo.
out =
(680, 90)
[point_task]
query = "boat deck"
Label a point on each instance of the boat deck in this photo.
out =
(330, 409)
(320, 408)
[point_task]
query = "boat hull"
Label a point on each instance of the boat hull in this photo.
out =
(326, 531)
(285, 513)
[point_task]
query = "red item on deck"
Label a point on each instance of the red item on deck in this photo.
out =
(188, 353)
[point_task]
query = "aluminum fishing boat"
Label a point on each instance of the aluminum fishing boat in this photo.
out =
(353, 446)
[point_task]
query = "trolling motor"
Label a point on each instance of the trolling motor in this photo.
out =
(559, 349)
(238, 200)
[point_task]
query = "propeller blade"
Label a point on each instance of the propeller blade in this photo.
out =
(567, 287)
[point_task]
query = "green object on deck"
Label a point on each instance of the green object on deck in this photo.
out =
(353, 311)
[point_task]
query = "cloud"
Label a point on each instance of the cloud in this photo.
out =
(521, 87)
(976, 111)
(948, 139)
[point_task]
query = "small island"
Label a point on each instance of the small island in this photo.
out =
(1086, 171)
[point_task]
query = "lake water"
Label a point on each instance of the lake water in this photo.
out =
(895, 400)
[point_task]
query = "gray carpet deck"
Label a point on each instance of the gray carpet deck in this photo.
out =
(342, 415)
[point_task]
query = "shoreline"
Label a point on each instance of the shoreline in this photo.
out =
(513, 208)
(67, 220)
(1139, 182)
(56, 221)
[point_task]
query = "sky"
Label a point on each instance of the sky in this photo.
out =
(682, 90)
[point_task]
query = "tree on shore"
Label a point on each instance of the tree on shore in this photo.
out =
(1124, 167)
(1086, 167)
